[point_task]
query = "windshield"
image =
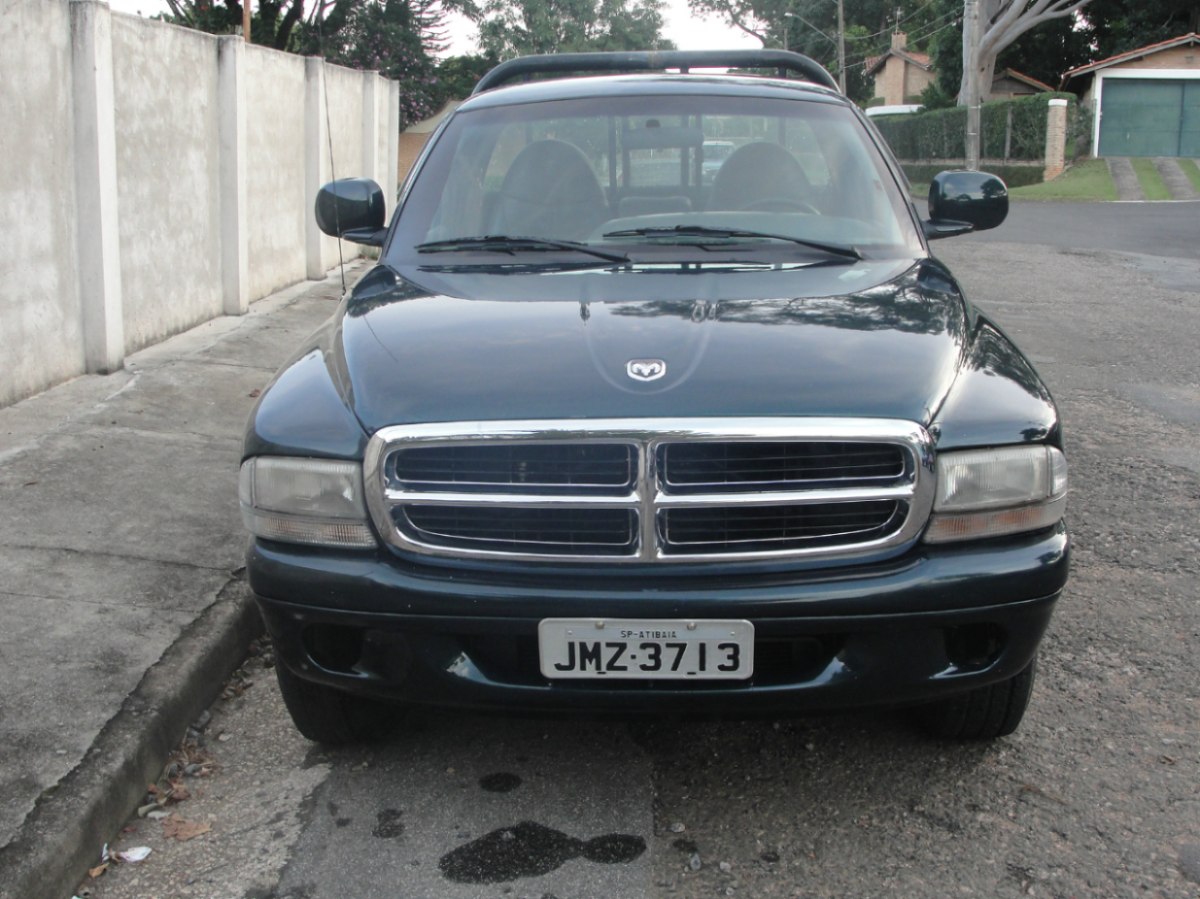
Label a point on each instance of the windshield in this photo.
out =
(652, 177)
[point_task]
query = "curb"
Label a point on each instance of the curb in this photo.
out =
(63, 835)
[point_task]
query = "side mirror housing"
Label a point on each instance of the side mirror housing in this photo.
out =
(962, 201)
(352, 208)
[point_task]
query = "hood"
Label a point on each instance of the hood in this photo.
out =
(877, 339)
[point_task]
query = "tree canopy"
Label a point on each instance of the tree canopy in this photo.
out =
(810, 27)
(1117, 26)
(509, 28)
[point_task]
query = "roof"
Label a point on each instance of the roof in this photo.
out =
(920, 60)
(601, 86)
(1181, 41)
(1024, 79)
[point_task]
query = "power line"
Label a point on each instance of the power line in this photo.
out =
(863, 61)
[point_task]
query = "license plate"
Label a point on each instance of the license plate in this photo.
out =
(645, 650)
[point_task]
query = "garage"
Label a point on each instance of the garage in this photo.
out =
(1144, 117)
(1145, 102)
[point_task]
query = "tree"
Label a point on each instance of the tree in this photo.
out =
(272, 24)
(508, 29)
(810, 27)
(989, 26)
(458, 75)
(398, 38)
(1043, 53)
(1118, 26)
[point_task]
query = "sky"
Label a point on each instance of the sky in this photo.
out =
(687, 32)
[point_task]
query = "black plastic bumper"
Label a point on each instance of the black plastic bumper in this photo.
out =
(936, 621)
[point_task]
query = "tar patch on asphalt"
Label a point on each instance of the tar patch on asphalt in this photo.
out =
(387, 824)
(529, 849)
(500, 782)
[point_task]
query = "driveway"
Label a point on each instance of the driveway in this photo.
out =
(1098, 794)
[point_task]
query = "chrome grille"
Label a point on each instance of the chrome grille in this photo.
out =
(651, 489)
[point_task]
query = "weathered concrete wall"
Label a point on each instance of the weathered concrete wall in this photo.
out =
(344, 90)
(275, 150)
(41, 340)
(165, 91)
(155, 177)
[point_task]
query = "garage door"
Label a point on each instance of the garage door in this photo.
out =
(1145, 117)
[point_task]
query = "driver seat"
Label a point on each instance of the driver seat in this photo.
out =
(758, 173)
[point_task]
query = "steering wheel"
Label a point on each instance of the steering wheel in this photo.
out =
(780, 204)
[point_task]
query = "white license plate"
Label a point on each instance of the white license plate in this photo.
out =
(646, 649)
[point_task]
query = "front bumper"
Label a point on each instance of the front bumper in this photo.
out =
(937, 621)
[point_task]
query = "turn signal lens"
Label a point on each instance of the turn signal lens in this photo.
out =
(990, 493)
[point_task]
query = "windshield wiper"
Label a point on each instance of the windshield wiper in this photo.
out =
(842, 250)
(502, 243)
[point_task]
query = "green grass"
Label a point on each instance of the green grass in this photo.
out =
(1191, 168)
(919, 191)
(1087, 180)
(1150, 180)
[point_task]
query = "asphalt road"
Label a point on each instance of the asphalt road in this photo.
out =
(1098, 794)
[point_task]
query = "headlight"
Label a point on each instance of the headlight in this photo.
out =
(315, 501)
(989, 493)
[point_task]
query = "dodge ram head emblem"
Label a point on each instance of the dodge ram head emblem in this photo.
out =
(645, 369)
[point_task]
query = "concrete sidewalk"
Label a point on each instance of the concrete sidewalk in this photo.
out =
(121, 552)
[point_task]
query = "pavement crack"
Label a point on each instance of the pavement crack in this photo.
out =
(109, 554)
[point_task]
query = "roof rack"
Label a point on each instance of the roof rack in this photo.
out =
(657, 60)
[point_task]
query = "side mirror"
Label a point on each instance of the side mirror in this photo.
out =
(352, 208)
(965, 201)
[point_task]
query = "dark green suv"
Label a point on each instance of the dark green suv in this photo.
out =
(609, 428)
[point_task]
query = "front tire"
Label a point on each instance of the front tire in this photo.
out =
(333, 717)
(984, 713)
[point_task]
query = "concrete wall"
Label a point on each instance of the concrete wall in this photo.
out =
(155, 177)
(346, 90)
(165, 98)
(275, 188)
(39, 305)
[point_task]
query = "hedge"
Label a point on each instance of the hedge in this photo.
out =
(1011, 175)
(1010, 129)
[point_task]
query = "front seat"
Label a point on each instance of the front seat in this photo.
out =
(549, 191)
(760, 174)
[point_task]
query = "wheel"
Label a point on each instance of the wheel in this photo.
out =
(780, 204)
(984, 713)
(333, 717)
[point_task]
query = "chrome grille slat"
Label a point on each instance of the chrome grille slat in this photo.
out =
(774, 526)
(564, 529)
(690, 489)
(525, 466)
(777, 465)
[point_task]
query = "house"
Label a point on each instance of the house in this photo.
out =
(413, 138)
(1145, 102)
(1008, 84)
(900, 74)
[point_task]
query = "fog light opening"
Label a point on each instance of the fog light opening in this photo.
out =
(334, 647)
(974, 646)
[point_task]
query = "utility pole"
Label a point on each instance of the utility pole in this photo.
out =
(841, 47)
(973, 90)
(246, 20)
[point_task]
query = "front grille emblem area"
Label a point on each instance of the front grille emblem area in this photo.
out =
(645, 369)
